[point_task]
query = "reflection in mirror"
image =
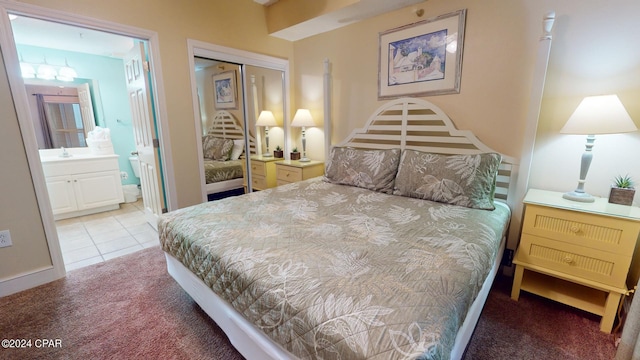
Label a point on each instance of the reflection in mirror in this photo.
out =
(222, 123)
(64, 122)
(261, 85)
(257, 90)
(265, 92)
(62, 116)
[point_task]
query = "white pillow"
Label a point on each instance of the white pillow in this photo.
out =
(237, 149)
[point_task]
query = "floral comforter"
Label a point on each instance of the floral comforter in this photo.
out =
(216, 171)
(338, 272)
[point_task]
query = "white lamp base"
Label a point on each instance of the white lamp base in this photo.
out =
(578, 196)
(267, 155)
(305, 159)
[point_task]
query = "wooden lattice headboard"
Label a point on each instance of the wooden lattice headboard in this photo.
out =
(226, 126)
(410, 123)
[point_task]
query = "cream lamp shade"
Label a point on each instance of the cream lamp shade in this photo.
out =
(595, 115)
(303, 119)
(266, 119)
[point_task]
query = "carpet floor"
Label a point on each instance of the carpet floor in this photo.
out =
(130, 308)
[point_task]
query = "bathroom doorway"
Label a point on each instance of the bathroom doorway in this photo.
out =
(35, 49)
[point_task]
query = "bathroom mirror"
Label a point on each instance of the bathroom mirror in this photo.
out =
(65, 124)
(62, 116)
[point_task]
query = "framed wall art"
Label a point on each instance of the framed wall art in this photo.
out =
(225, 90)
(423, 58)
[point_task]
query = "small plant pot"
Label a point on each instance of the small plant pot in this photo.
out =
(621, 196)
(278, 153)
(295, 156)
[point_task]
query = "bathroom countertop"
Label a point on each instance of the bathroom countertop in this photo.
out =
(54, 155)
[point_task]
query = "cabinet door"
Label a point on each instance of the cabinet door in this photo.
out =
(61, 194)
(98, 189)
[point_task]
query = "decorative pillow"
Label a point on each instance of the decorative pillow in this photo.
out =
(237, 149)
(215, 148)
(465, 180)
(368, 169)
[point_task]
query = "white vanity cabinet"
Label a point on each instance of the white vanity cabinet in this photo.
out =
(83, 184)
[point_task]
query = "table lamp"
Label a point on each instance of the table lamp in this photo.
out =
(602, 114)
(266, 119)
(302, 119)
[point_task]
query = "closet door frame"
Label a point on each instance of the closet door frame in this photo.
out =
(216, 52)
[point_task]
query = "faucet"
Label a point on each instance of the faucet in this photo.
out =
(64, 152)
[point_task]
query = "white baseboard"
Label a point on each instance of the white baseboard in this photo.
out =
(29, 280)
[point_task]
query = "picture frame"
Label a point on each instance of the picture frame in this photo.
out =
(423, 58)
(225, 94)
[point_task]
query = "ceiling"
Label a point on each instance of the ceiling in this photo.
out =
(361, 10)
(266, 2)
(48, 34)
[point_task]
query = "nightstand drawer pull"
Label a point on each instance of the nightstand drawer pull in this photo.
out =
(568, 260)
(574, 229)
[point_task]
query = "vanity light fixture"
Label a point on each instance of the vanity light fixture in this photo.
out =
(303, 119)
(266, 119)
(603, 114)
(27, 70)
(66, 73)
(46, 71)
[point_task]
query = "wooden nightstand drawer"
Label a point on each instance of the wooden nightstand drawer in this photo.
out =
(586, 230)
(289, 173)
(259, 182)
(586, 263)
(258, 168)
(263, 172)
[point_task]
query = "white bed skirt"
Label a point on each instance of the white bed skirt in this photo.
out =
(253, 344)
(226, 185)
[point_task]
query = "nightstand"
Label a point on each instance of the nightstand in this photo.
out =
(263, 172)
(576, 253)
(289, 171)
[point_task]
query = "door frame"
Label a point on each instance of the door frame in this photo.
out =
(242, 57)
(16, 83)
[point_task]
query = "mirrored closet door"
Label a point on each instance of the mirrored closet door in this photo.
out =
(235, 92)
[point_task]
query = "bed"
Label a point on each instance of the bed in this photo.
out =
(223, 149)
(378, 259)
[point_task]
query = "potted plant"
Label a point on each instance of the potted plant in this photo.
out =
(278, 152)
(622, 190)
(295, 155)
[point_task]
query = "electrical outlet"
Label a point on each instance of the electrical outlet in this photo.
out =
(124, 175)
(5, 238)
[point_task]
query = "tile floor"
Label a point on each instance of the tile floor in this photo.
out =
(91, 239)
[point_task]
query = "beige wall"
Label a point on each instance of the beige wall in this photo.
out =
(500, 43)
(285, 13)
(238, 24)
(593, 53)
(19, 211)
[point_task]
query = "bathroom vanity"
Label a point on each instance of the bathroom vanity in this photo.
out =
(81, 183)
